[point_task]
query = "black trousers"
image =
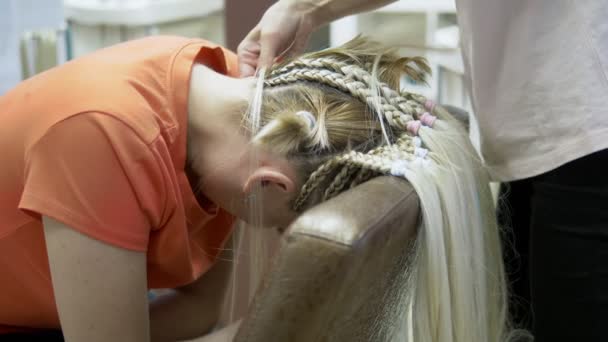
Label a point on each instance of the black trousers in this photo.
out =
(556, 250)
(41, 336)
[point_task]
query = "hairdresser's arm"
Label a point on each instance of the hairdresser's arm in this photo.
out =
(287, 25)
(193, 310)
(100, 290)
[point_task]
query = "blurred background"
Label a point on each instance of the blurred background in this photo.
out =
(38, 34)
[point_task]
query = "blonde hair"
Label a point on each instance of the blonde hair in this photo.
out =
(362, 126)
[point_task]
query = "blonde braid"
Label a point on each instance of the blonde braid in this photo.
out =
(330, 64)
(362, 176)
(414, 97)
(347, 173)
(308, 63)
(355, 88)
(367, 172)
(409, 103)
(372, 162)
(358, 167)
(314, 180)
(340, 181)
(333, 79)
(334, 63)
(354, 159)
(398, 108)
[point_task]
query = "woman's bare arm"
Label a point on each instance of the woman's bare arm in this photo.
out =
(192, 311)
(100, 290)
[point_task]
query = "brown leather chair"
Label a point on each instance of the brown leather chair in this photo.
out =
(334, 276)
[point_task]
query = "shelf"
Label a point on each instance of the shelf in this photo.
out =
(451, 62)
(138, 13)
(420, 6)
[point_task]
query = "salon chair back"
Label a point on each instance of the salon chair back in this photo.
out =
(335, 275)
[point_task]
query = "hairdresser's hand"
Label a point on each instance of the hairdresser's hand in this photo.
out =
(284, 29)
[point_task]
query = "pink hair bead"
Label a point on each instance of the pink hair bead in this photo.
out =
(413, 126)
(429, 105)
(427, 119)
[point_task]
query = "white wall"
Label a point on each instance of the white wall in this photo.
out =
(16, 17)
(96, 24)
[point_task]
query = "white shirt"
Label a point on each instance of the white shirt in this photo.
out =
(538, 77)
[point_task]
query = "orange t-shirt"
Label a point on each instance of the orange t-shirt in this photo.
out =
(100, 144)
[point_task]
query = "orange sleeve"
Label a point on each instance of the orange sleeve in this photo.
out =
(232, 63)
(93, 173)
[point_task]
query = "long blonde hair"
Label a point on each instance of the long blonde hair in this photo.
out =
(362, 126)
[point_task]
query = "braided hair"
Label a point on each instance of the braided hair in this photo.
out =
(346, 152)
(340, 116)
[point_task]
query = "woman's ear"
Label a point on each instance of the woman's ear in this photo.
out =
(267, 176)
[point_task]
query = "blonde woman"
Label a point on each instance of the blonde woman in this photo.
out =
(123, 170)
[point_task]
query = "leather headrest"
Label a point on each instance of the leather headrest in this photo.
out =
(339, 268)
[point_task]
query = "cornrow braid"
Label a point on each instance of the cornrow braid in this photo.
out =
(417, 72)
(365, 173)
(314, 180)
(373, 162)
(355, 88)
(409, 103)
(357, 167)
(310, 63)
(398, 108)
(361, 176)
(408, 106)
(341, 180)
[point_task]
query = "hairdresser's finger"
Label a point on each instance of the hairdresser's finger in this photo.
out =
(248, 61)
(297, 47)
(270, 44)
(300, 44)
(248, 53)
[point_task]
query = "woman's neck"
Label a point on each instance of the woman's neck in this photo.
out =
(216, 141)
(216, 101)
